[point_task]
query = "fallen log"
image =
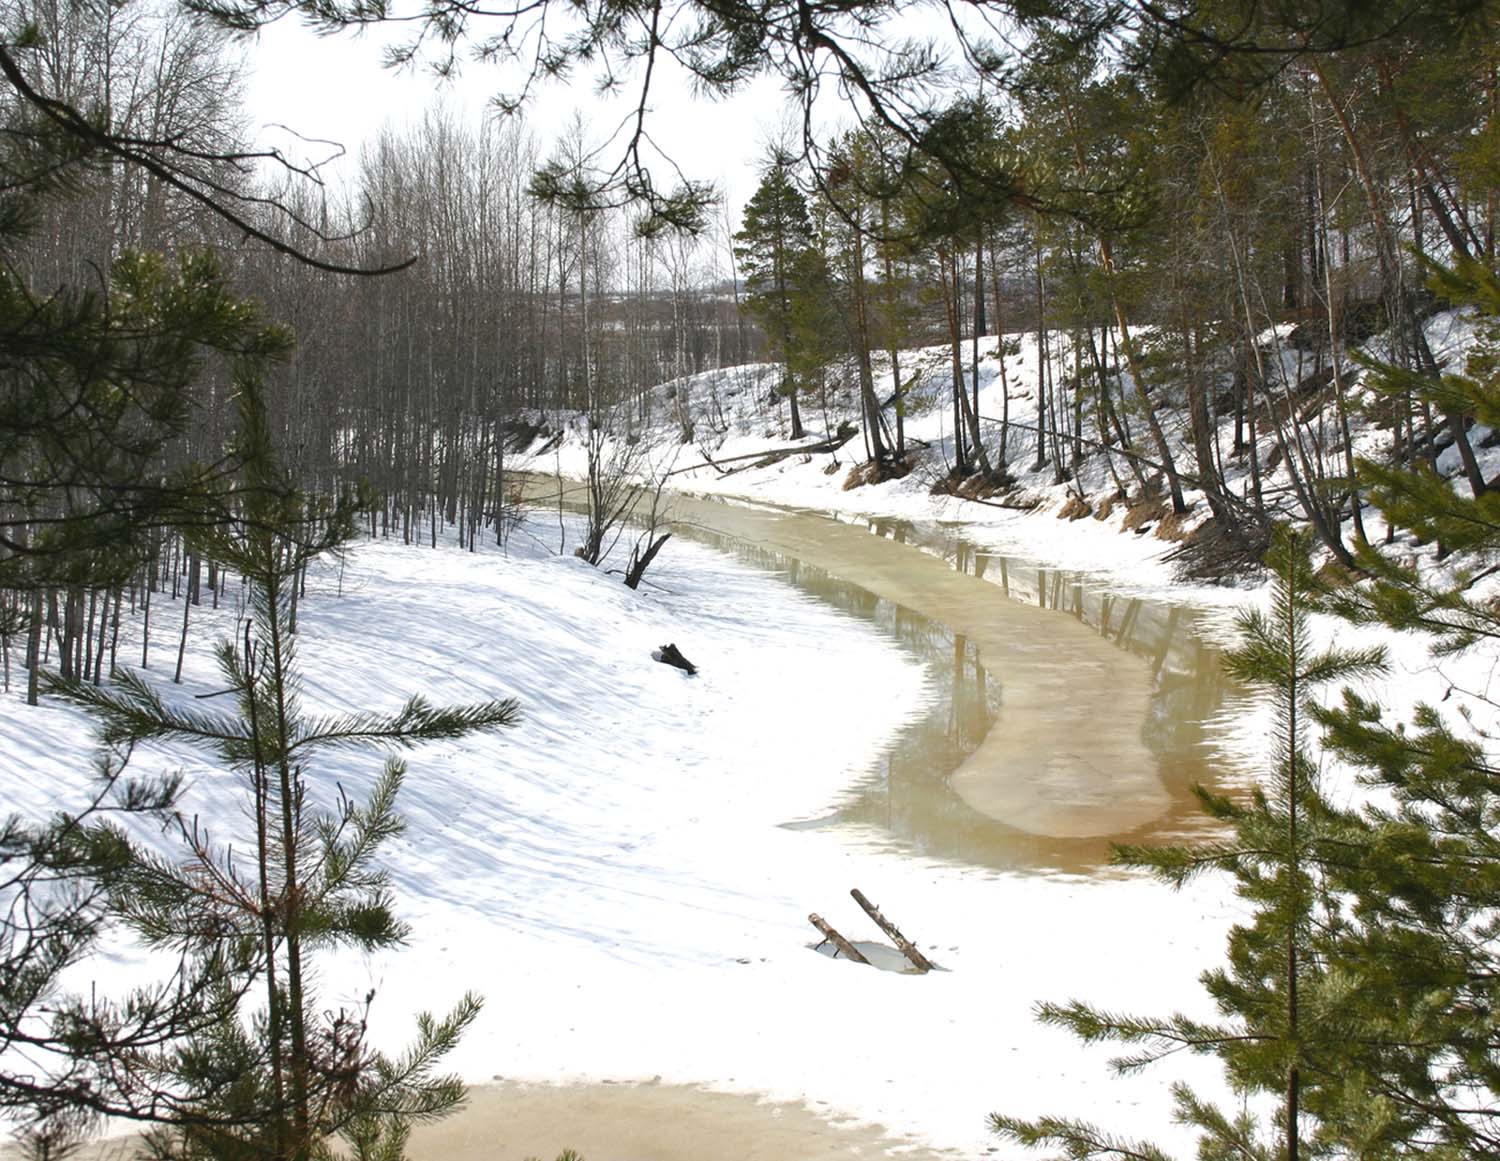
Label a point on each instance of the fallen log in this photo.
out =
(838, 941)
(1025, 504)
(831, 444)
(908, 948)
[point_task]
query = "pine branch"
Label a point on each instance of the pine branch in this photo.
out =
(1163, 1037)
(132, 711)
(1178, 865)
(417, 721)
(1076, 1140)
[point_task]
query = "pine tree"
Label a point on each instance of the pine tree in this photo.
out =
(274, 1076)
(1419, 956)
(1414, 495)
(953, 211)
(850, 196)
(97, 387)
(1383, 915)
(1283, 1029)
(778, 251)
(92, 392)
(820, 323)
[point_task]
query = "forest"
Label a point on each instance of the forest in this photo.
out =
(1150, 239)
(1223, 227)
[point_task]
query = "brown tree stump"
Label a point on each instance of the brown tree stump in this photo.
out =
(670, 655)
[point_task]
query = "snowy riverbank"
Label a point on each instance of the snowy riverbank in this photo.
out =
(612, 875)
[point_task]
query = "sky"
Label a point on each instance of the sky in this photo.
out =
(336, 89)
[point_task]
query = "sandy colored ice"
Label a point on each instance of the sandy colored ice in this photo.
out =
(624, 1122)
(629, 1122)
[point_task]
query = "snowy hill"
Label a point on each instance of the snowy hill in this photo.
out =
(611, 875)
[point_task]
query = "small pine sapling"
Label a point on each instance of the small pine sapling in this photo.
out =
(1281, 1029)
(281, 1078)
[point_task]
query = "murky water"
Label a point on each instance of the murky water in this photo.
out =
(912, 798)
(1067, 717)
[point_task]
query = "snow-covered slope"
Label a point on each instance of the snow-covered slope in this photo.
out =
(733, 419)
(612, 876)
(1108, 941)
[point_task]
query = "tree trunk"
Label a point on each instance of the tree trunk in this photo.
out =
(34, 650)
(908, 949)
(871, 403)
(640, 563)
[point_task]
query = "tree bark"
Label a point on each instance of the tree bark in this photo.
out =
(639, 564)
(908, 949)
(838, 941)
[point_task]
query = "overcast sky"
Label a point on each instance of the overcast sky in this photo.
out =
(335, 88)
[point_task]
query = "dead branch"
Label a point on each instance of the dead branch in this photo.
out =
(908, 948)
(831, 444)
(838, 941)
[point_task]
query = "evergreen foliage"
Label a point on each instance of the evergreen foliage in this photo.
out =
(1284, 1023)
(1413, 495)
(93, 392)
(786, 279)
(227, 1052)
(251, 1065)
(1366, 985)
(1361, 992)
(1417, 960)
(1419, 957)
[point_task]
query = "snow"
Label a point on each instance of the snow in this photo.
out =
(1124, 944)
(728, 421)
(614, 876)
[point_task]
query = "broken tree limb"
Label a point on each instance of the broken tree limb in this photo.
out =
(831, 444)
(908, 948)
(838, 941)
(671, 655)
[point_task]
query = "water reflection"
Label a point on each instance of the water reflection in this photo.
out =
(909, 802)
(1092, 745)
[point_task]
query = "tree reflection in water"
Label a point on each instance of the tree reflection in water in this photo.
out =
(908, 802)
